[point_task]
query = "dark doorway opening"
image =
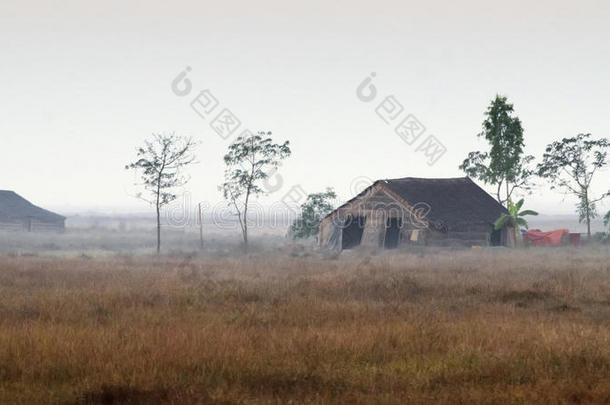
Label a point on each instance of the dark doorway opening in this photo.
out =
(496, 237)
(392, 233)
(352, 232)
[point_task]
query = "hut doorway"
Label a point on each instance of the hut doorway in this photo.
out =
(392, 233)
(496, 237)
(352, 232)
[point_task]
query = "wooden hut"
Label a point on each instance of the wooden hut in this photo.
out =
(17, 213)
(416, 211)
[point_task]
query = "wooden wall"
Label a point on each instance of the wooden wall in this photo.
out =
(27, 225)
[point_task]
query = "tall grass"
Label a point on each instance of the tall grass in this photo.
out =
(453, 327)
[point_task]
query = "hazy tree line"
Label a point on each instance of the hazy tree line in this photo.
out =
(569, 165)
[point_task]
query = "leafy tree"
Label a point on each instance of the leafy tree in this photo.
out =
(248, 161)
(571, 165)
(313, 210)
(504, 165)
(161, 161)
(514, 217)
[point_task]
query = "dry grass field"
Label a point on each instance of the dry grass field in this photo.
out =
(481, 326)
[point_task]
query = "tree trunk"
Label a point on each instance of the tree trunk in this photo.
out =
(245, 226)
(245, 229)
(158, 207)
(158, 229)
(246, 239)
(588, 213)
(158, 204)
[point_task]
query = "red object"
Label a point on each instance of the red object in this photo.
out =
(538, 238)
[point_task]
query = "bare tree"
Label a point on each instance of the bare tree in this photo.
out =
(248, 161)
(160, 163)
(570, 164)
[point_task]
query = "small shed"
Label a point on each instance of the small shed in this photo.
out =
(416, 211)
(17, 213)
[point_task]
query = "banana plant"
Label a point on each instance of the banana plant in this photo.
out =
(514, 217)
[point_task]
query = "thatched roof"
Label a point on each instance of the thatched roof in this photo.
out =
(453, 201)
(15, 207)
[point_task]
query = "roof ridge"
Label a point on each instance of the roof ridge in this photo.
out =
(429, 178)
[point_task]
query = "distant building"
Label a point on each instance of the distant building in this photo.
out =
(416, 211)
(17, 213)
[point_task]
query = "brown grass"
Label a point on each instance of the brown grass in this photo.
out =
(465, 327)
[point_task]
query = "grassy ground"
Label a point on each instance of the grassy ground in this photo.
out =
(452, 327)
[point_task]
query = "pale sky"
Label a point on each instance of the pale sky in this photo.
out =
(84, 83)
